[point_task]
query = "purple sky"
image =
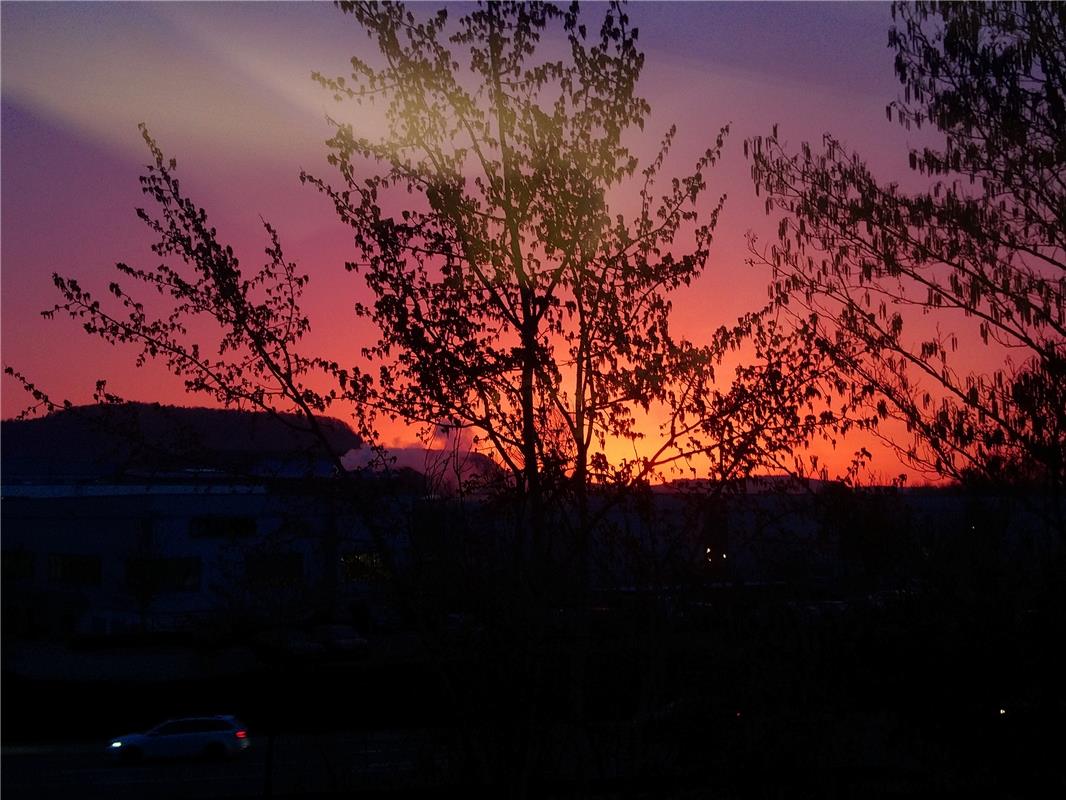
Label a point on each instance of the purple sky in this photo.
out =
(226, 90)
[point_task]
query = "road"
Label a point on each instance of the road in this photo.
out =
(301, 765)
(856, 757)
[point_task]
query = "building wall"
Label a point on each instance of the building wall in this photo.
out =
(101, 559)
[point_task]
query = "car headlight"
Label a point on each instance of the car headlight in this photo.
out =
(116, 744)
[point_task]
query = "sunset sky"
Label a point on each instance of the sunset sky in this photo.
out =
(226, 90)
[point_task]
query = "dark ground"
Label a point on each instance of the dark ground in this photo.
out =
(784, 699)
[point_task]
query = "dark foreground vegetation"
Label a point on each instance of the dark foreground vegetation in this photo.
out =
(757, 692)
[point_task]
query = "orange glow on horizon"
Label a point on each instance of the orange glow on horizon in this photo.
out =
(242, 121)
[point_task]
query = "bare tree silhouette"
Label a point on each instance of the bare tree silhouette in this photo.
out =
(510, 301)
(509, 298)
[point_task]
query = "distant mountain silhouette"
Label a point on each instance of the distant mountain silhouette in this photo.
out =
(442, 468)
(141, 439)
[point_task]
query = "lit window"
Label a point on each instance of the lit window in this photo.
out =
(362, 567)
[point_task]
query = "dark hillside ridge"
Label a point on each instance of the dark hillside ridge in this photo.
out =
(153, 440)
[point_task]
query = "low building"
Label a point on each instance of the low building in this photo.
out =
(250, 532)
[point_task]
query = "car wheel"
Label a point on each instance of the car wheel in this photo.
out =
(132, 755)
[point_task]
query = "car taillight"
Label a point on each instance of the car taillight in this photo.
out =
(241, 734)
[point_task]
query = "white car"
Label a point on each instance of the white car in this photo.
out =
(191, 737)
